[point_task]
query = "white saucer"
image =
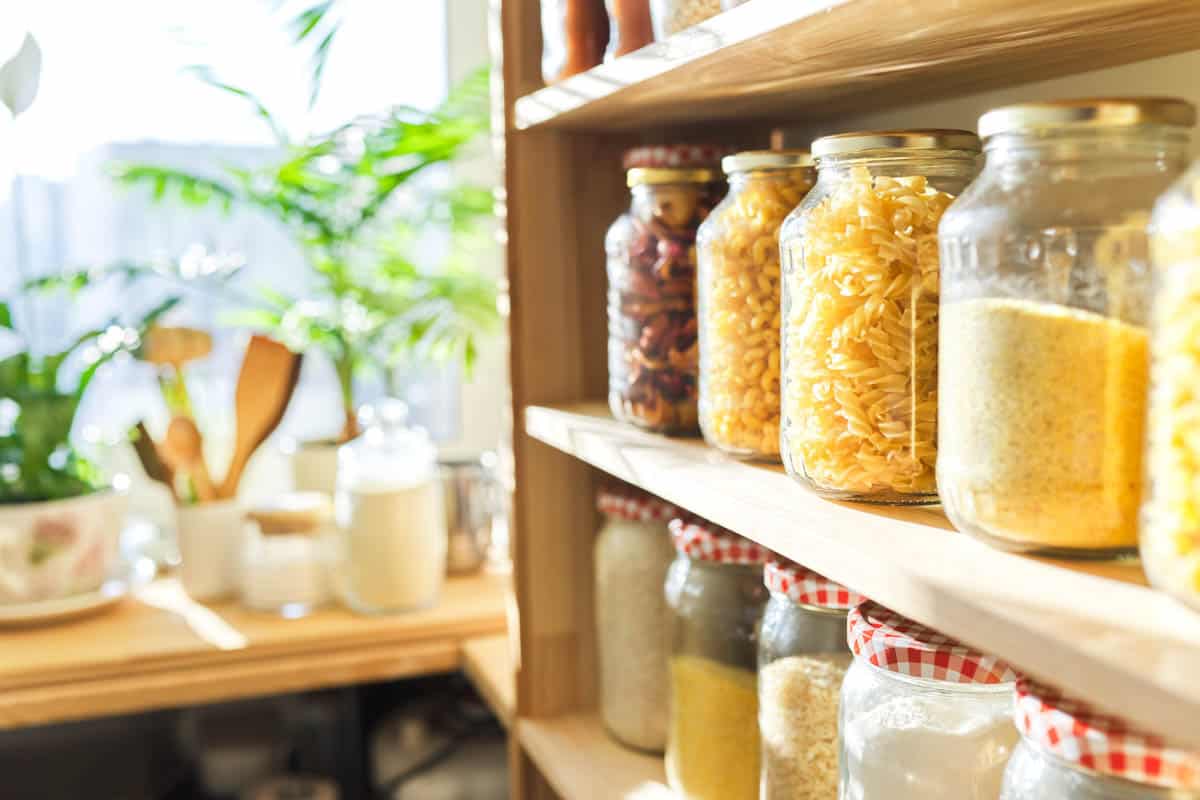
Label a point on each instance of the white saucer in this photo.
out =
(46, 612)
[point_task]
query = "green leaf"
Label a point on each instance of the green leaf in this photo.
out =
(205, 74)
(315, 21)
(6, 318)
(192, 189)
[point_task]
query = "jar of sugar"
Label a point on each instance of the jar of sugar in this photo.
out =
(923, 717)
(286, 555)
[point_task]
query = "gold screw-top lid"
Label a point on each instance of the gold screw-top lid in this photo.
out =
(915, 139)
(1089, 112)
(298, 512)
(658, 175)
(766, 159)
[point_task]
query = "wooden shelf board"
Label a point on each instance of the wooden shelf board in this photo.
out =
(582, 762)
(773, 59)
(488, 662)
(1093, 628)
(161, 649)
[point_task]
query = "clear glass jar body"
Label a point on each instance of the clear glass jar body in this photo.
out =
(1044, 349)
(712, 740)
(905, 738)
(1170, 516)
(1034, 774)
(860, 324)
(631, 560)
(574, 36)
(802, 659)
(653, 356)
(289, 574)
(673, 16)
(629, 26)
(739, 310)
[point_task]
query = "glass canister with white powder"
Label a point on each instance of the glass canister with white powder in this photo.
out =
(923, 717)
(802, 659)
(286, 555)
(1071, 751)
(390, 515)
(633, 553)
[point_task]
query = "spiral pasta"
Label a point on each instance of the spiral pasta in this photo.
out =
(860, 337)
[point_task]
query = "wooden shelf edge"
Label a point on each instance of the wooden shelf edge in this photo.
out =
(820, 58)
(1094, 629)
(488, 663)
(582, 762)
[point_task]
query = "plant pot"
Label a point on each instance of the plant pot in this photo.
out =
(59, 548)
(314, 466)
(210, 539)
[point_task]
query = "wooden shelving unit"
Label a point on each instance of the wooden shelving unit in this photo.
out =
(488, 662)
(767, 63)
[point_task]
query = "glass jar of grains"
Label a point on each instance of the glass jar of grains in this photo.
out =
(860, 325)
(1045, 291)
(1170, 522)
(633, 553)
(739, 300)
(922, 716)
(716, 595)
(802, 659)
(1069, 751)
(652, 351)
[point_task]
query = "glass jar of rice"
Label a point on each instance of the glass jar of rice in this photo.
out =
(739, 300)
(802, 658)
(716, 595)
(860, 317)
(1045, 302)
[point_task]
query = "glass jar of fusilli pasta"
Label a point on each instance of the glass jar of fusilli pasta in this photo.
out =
(739, 300)
(860, 313)
(1045, 299)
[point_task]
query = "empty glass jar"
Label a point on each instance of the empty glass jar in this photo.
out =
(1045, 298)
(860, 318)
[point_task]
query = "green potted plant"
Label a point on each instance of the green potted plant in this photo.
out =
(354, 203)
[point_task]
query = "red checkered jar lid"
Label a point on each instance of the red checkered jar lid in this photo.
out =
(675, 156)
(704, 541)
(802, 585)
(634, 505)
(897, 644)
(1079, 734)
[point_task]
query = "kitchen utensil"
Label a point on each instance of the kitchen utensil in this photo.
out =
(152, 461)
(173, 347)
(264, 388)
(470, 491)
(184, 447)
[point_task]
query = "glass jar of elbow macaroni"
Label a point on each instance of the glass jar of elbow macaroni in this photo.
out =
(738, 301)
(860, 313)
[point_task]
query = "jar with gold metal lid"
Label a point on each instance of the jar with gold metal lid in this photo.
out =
(1044, 308)
(287, 555)
(739, 300)
(860, 313)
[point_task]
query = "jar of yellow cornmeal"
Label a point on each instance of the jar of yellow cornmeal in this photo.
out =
(716, 595)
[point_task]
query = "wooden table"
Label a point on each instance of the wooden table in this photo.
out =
(161, 649)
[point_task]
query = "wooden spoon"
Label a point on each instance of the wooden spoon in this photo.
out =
(185, 448)
(152, 460)
(264, 389)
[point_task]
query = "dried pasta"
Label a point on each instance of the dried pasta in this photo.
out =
(860, 342)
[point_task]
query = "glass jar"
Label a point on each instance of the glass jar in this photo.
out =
(860, 323)
(574, 35)
(633, 552)
(802, 659)
(629, 26)
(1044, 306)
(716, 595)
(286, 557)
(673, 16)
(391, 516)
(906, 734)
(652, 349)
(1170, 521)
(738, 301)
(1069, 751)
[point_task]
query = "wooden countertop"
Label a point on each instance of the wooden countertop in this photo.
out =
(161, 649)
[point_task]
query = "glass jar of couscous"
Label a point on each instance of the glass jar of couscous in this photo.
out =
(860, 316)
(715, 592)
(739, 300)
(1045, 301)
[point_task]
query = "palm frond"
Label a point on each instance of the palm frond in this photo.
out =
(188, 187)
(205, 74)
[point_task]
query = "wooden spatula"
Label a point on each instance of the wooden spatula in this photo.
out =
(264, 388)
(184, 447)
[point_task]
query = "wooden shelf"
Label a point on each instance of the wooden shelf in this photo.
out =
(161, 649)
(775, 59)
(488, 662)
(582, 762)
(1093, 627)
